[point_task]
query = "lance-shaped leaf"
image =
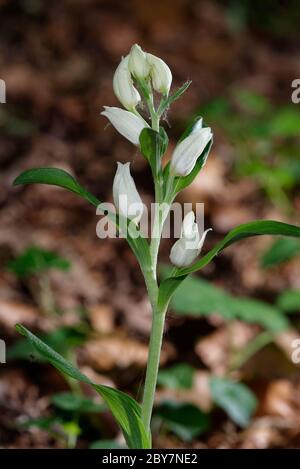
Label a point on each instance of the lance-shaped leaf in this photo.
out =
(166, 102)
(126, 410)
(55, 177)
(255, 228)
(59, 177)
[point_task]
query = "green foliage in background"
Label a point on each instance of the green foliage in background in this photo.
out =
(280, 20)
(281, 250)
(35, 260)
(198, 297)
(265, 140)
(289, 301)
(183, 419)
(179, 376)
(235, 398)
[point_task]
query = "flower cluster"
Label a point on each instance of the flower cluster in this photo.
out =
(136, 78)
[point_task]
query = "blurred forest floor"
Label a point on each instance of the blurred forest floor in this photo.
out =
(57, 60)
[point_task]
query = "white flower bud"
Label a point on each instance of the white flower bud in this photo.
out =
(138, 64)
(188, 247)
(126, 197)
(123, 87)
(188, 150)
(127, 124)
(160, 74)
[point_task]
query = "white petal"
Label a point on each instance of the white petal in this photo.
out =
(138, 64)
(123, 87)
(187, 152)
(160, 74)
(126, 197)
(127, 124)
(180, 255)
(189, 227)
(203, 237)
(187, 248)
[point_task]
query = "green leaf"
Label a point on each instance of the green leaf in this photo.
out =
(105, 444)
(164, 141)
(59, 177)
(183, 419)
(62, 340)
(35, 260)
(235, 398)
(198, 297)
(44, 423)
(286, 122)
(71, 429)
(255, 228)
(126, 410)
(282, 250)
(252, 102)
(166, 103)
(179, 376)
(55, 177)
(289, 301)
(153, 145)
(73, 403)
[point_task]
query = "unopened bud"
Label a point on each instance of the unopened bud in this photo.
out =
(188, 151)
(161, 75)
(126, 197)
(123, 87)
(138, 64)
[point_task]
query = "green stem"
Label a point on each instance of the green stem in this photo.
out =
(158, 223)
(153, 114)
(158, 313)
(158, 318)
(156, 337)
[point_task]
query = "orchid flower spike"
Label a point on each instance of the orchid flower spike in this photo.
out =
(188, 247)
